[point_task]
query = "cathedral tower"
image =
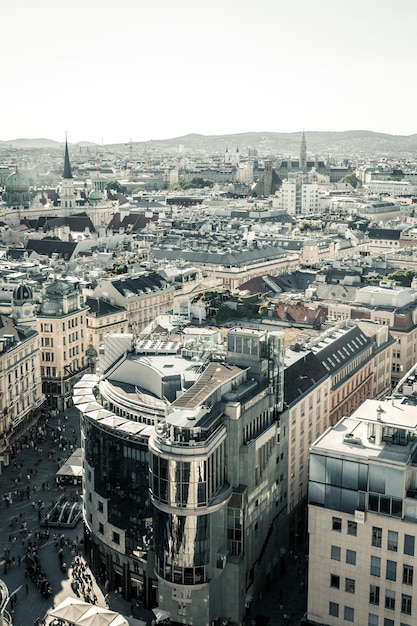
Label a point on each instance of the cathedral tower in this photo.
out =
(68, 193)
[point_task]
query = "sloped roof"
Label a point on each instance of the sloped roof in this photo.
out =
(48, 247)
(341, 350)
(76, 223)
(301, 376)
(135, 286)
(100, 307)
(384, 233)
(226, 258)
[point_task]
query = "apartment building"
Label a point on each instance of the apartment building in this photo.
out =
(62, 332)
(102, 318)
(144, 297)
(363, 517)
(390, 306)
(21, 396)
(305, 416)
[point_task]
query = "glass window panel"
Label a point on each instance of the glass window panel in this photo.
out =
(375, 566)
(373, 502)
(391, 570)
(396, 507)
(409, 544)
(350, 475)
(392, 541)
(335, 553)
(334, 472)
(317, 468)
(349, 501)
(377, 479)
(316, 493)
(394, 483)
(363, 477)
(333, 497)
(333, 609)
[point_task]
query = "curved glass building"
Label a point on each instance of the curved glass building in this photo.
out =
(181, 496)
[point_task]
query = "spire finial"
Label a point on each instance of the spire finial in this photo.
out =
(67, 166)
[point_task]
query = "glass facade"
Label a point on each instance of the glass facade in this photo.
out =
(347, 486)
(186, 483)
(120, 477)
(182, 544)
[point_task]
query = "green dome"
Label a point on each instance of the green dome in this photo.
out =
(95, 194)
(17, 191)
(16, 182)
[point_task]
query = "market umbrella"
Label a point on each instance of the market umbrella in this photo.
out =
(97, 616)
(119, 620)
(70, 609)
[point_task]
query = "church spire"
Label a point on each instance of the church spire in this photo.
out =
(303, 154)
(67, 166)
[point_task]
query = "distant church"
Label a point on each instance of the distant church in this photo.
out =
(271, 180)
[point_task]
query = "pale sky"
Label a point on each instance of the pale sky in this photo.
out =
(113, 71)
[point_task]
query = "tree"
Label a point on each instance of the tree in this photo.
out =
(352, 179)
(115, 186)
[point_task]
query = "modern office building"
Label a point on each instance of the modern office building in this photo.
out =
(363, 517)
(182, 506)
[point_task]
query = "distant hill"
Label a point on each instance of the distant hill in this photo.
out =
(26, 144)
(322, 143)
(351, 142)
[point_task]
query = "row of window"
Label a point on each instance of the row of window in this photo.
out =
(392, 537)
(349, 614)
(390, 599)
(48, 327)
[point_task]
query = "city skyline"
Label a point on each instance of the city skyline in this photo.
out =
(111, 73)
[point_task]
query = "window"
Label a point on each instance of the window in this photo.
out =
(116, 537)
(408, 572)
(406, 604)
(409, 544)
(349, 614)
(100, 506)
(352, 528)
(372, 619)
(392, 541)
(337, 524)
(391, 570)
(390, 599)
(333, 609)
(388, 622)
(335, 553)
(334, 581)
(351, 557)
(349, 585)
(376, 537)
(373, 594)
(375, 566)
(101, 528)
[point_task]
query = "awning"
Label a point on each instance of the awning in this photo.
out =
(160, 615)
(75, 471)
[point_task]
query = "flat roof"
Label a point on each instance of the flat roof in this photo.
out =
(349, 437)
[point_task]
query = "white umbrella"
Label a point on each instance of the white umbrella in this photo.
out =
(119, 620)
(97, 616)
(70, 609)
